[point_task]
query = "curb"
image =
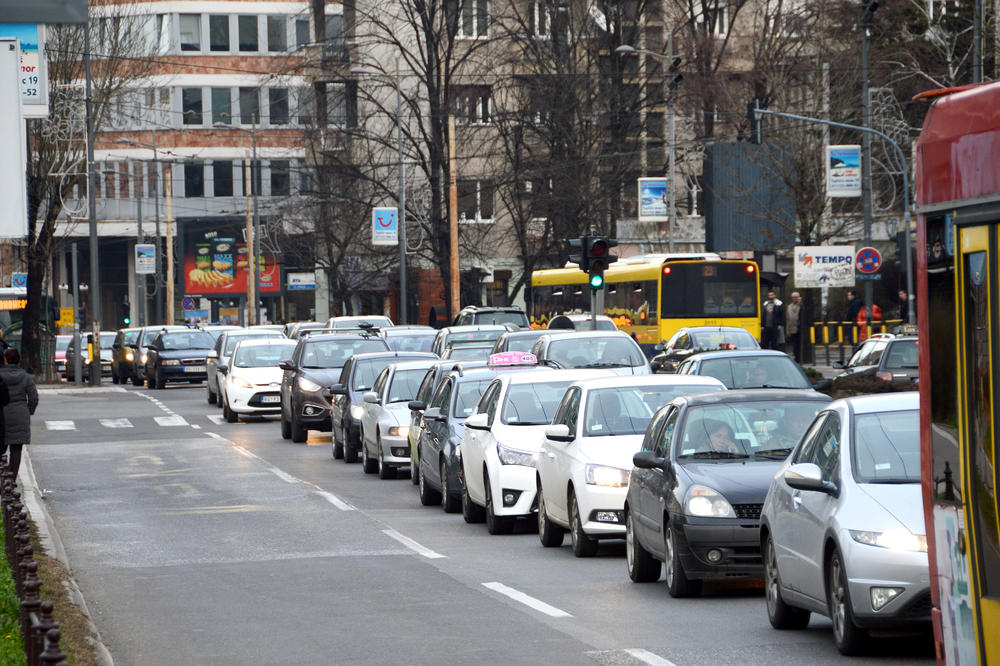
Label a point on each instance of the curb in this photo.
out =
(49, 539)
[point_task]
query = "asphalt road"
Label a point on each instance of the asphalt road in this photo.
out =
(195, 541)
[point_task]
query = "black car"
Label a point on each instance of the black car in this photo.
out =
(477, 315)
(140, 349)
(892, 358)
(356, 379)
(751, 368)
(688, 341)
(466, 335)
(698, 486)
(123, 356)
(315, 366)
(178, 356)
(519, 341)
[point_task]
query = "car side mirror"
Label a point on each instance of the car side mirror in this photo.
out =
(223, 368)
(823, 385)
(371, 397)
(212, 354)
(559, 433)
(659, 347)
(417, 405)
(839, 365)
(648, 460)
(807, 476)
(338, 389)
(478, 421)
(434, 414)
(288, 366)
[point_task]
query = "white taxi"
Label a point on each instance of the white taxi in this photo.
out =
(252, 384)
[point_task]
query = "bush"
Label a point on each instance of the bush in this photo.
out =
(846, 387)
(11, 641)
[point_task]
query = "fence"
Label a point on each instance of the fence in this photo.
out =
(40, 631)
(840, 337)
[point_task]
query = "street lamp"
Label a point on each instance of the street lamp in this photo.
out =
(156, 204)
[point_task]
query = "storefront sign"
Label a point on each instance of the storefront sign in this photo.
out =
(824, 266)
(301, 281)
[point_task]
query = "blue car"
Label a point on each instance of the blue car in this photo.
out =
(178, 356)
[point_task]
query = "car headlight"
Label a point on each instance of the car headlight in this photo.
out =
(171, 362)
(86, 361)
(704, 501)
(898, 539)
(308, 385)
(602, 475)
(357, 411)
(240, 382)
(129, 356)
(509, 456)
(144, 358)
(399, 431)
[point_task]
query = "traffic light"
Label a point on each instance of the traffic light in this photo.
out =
(599, 257)
(126, 320)
(578, 251)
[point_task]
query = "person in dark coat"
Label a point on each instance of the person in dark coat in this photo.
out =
(23, 399)
(772, 321)
(854, 305)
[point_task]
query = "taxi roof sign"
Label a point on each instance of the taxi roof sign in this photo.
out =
(512, 358)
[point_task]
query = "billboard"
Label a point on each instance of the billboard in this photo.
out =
(824, 266)
(219, 267)
(34, 73)
(145, 259)
(843, 171)
(13, 185)
(653, 200)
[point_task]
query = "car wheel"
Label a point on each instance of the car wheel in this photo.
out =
(161, 383)
(385, 472)
(367, 464)
(115, 379)
(231, 416)
(150, 382)
(299, 432)
(642, 566)
(338, 448)
(211, 396)
(583, 545)
(495, 524)
(414, 462)
(428, 496)
(138, 381)
(847, 635)
(678, 584)
(550, 534)
(471, 512)
(286, 427)
(350, 453)
(452, 501)
(781, 615)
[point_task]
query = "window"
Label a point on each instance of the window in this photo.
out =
(194, 179)
(824, 449)
(306, 180)
(190, 29)
(280, 178)
(191, 104)
(255, 172)
(715, 20)
(249, 106)
(472, 18)
(304, 105)
(222, 111)
(570, 409)
(302, 32)
(442, 399)
(222, 177)
(472, 105)
(218, 33)
(277, 37)
(539, 20)
(336, 104)
(248, 33)
(662, 445)
(475, 200)
(162, 37)
(335, 45)
(278, 105)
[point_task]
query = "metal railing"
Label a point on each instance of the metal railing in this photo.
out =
(842, 336)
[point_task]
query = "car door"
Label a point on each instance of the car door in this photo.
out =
(287, 377)
(639, 481)
(556, 458)
(436, 431)
(472, 444)
(152, 354)
(212, 365)
(659, 489)
(341, 404)
(372, 412)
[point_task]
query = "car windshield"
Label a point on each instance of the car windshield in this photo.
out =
(62, 343)
(129, 338)
(724, 340)
(472, 337)
(186, 340)
(334, 353)
(467, 353)
(366, 371)
(755, 372)
(107, 339)
(765, 430)
(467, 397)
(532, 404)
(232, 340)
(522, 343)
(868, 354)
(413, 342)
(902, 355)
(516, 318)
(262, 356)
(627, 410)
(597, 352)
(404, 385)
(886, 447)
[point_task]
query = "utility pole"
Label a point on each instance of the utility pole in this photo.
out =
(169, 253)
(251, 209)
(157, 279)
(253, 244)
(95, 290)
(77, 363)
(140, 277)
(866, 149)
(401, 200)
(456, 296)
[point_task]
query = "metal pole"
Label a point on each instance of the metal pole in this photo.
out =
(248, 178)
(672, 155)
(401, 200)
(159, 242)
(95, 291)
(169, 253)
(77, 364)
(456, 296)
(257, 255)
(866, 152)
(977, 42)
(140, 277)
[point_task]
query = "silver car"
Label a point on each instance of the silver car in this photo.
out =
(842, 529)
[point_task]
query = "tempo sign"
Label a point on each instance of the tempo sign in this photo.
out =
(824, 266)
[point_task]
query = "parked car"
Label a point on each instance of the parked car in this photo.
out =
(696, 490)
(477, 315)
(220, 356)
(59, 355)
(215, 330)
(315, 366)
(359, 322)
(580, 322)
(294, 331)
(467, 353)
(141, 352)
(86, 341)
(694, 339)
(122, 356)
(762, 368)
(409, 338)
(252, 381)
(385, 420)
(843, 530)
(277, 328)
(889, 357)
(521, 341)
(178, 356)
(592, 349)
(466, 335)
(501, 442)
(586, 456)
(356, 379)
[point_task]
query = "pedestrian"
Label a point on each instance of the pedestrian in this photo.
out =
(904, 305)
(793, 325)
(23, 398)
(772, 321)
(854, 305)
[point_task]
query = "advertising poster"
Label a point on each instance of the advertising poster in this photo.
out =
(385, 227)
(14, 185)
(34, 77)
(219, 267)
(145, 258)
(824, 266)
(653, 200)
(843, 171)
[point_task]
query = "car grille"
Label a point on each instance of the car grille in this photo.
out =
(748, 511)
(192, 361)
(919, 608)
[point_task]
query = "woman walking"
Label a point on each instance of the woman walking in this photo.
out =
(17, 412)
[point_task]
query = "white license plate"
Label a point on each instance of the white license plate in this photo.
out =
(270, 398)
(194, 368)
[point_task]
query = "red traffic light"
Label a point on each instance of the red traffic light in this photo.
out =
(598, 249)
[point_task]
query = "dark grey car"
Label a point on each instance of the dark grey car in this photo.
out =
(885, 356)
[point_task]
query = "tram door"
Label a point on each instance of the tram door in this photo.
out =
(978, 319)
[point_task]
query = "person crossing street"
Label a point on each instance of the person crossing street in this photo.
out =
(772, 321)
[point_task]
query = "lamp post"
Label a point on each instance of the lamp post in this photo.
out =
(156, 208)
(95, 289)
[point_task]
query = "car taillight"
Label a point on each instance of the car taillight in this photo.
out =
(884, 375)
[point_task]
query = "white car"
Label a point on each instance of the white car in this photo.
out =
(251, 384)
(586, 456)
(221, 355)
(385, 420)
(501, 443)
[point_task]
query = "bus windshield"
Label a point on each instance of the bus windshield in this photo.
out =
(708, 289)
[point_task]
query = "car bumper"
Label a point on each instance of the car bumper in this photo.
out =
(518, 481)
(395, 450)
(602, 510)
(871, 566)
(737, 540)
(180, 374)
(252, 400)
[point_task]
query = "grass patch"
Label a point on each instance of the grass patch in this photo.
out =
(11, 641)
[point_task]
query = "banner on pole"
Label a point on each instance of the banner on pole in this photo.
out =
(145, 259)
(653, 200)
(385, 226)
(33, 70)
(13, 185)
(843, 171)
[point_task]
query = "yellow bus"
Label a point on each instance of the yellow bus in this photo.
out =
(654, 295)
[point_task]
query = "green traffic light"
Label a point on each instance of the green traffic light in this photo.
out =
(126, 321)
(596, 281)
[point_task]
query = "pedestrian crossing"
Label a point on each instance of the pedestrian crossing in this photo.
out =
(164, 421)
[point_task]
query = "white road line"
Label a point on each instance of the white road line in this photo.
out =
(216, 435)
(172, 420)
(115, 423)
(334, 500)
(281, 474)
(240, 450)
(284, 476)
(413, 545)
(217, 419)
(529, 601)
(195, 426)
(647, 657)
(60, 425)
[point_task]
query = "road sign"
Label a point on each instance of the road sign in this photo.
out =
(301, 281)
(65, 318)
(868, 260)
(188, 303)
(385, 230)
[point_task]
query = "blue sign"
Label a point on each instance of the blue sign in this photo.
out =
(19, 280)
(385, 226)
(188, 303)
(653, 200)
(869, 260)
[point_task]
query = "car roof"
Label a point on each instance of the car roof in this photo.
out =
(581, 316)
(521, 333)
(882, 402)
(739, 353)
(492, 308)
(353, 335)
(409, 330)
(756, 395)
(552, 374)
(448, 330)
(423, 364)
(166, 327)
(413, 355)
(361, 318)
(715, 329)
(590, 334)
(629, 381)
(266, 341)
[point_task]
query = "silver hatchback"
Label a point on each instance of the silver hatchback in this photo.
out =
(842, 529)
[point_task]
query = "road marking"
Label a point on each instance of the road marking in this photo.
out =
(334, 500)
(115, 423)
(195, 426)
(281, 474)
(60, 425)
(284, 476)
(209, 510)
(413, 545)
(529, 601)
(217, 419)
(647, 657)
(172, 420)
(216, 436)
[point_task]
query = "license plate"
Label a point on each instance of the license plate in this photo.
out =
(270, 398)
(194, 368)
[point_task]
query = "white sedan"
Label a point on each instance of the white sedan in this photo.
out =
(385, 420)
(252, 383)
(501, 443)
(586, 456)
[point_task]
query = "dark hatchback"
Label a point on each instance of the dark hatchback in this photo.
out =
(315, 366)
(888, 357)
(178, 356)
(698, 486)
(347, 404)
(694, 339)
